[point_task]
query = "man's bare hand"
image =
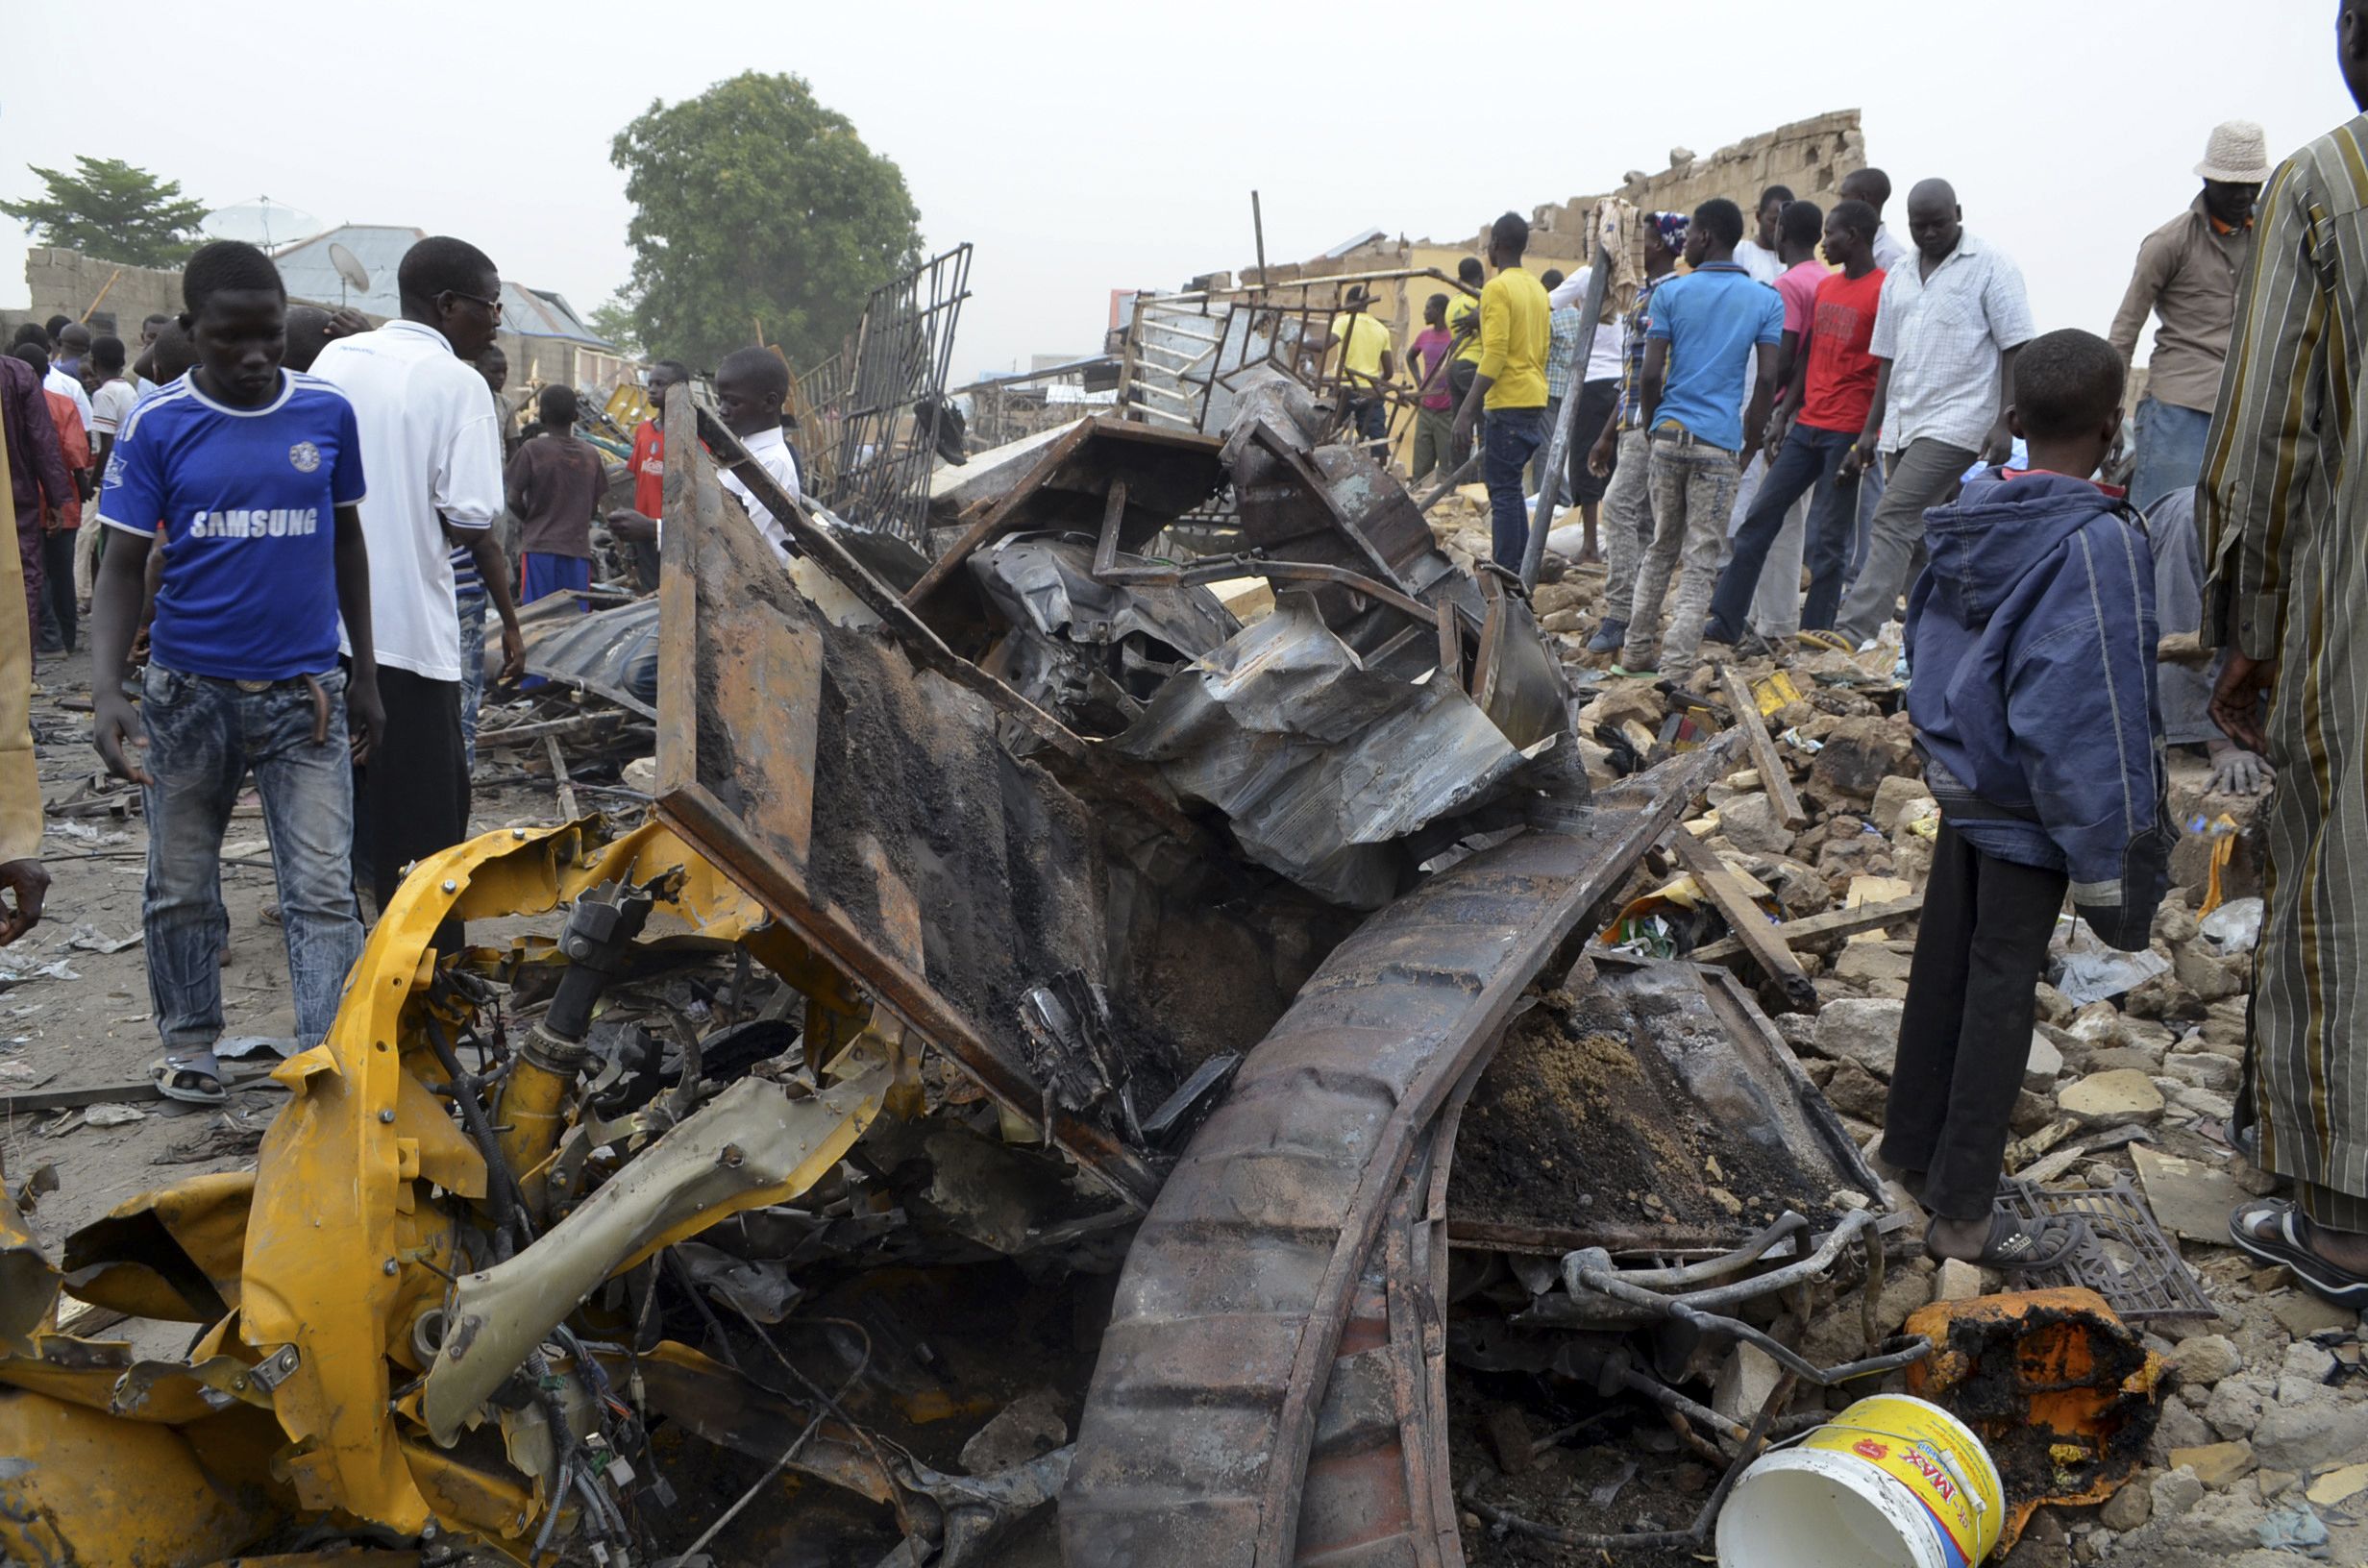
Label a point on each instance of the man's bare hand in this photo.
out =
(114, 729)
(1599, 455)
(1997, 446)
(2235, 771)
(29, 881)
(513, 655)
(2236, 700)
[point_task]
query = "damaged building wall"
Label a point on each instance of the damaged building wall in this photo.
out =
(1809, 155)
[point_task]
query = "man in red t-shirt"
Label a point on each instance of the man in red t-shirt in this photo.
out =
(638, 524)
(1815, 423)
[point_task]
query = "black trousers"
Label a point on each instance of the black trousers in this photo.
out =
(412, 798)
(57, 585)
(1964, 1037)
(1461, 374)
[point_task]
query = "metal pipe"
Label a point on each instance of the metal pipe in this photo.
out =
(1856, 1222)
(1557, 452)
(1712, 1268)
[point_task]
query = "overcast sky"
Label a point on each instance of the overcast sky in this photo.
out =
(1085, 147)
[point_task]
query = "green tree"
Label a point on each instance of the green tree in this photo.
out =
(613, 319)
(754, 204)
(107, 209)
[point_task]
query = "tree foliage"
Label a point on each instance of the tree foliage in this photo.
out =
(613, 319)
(110, 209)
(754, 204)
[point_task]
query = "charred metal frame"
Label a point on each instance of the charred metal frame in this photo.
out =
(903, 350)
(1180, 347)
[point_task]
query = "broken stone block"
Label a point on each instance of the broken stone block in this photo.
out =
(2303, 1314)
(1858, 1093)
(1859, 755)
(2205, 1070)
(2104, 1098)
(2310, 1436)
(2174, 922)
(2045, 1066)
(2127, 1509)
(2174, 1493)
(2189, 1199)
(2100, 1023)
(1873, 961)
(1625, 703)
(2178, 1426)
(2032, 1111)
(2054, 1007)
(2234, 1408)
(1506, 1430)
(1751, 824)
(2205, 1359)
(1957, 1280)
(1745, 1378)
(1894, 795)
(2217, 1464)
(1029, 1427)
(1860, 1031)
(2209, 975)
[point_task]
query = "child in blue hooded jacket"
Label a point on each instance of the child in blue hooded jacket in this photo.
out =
(2031, 637)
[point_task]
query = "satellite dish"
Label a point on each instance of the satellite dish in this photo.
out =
(351, 273)
(261, 221)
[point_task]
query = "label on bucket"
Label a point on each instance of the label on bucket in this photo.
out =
(1942, 1465)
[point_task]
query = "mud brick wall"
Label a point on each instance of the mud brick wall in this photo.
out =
(1809, 155)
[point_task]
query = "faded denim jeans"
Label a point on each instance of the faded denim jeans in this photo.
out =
(203, 736)
(1693, 486)
(472, 665)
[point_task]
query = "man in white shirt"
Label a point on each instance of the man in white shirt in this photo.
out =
(108, 405)
(1758, 255)
(1873, 186)
(751, 386)
(66, 367)
(1953, 318)
(433, 453)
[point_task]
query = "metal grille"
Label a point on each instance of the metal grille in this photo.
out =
(2126, 1257)
(1183, 351)
(817, 403)
(885, 426)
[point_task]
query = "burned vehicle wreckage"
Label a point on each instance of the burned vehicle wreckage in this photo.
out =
(1004, 1103)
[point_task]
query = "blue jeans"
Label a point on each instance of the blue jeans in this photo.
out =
(203, 736)
(2170, 451)
(1810, 459)
(1514, 435)
(472, 665)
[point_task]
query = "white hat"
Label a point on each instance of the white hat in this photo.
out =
(2237, 153)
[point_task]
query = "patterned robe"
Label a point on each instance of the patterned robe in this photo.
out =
(2285, 521)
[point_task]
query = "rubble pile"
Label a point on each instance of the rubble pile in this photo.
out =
(2134, 1068)
(1112, 1051)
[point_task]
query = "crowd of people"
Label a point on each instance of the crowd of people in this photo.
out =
(1805, 429)
(1799, 420)
(280, 522)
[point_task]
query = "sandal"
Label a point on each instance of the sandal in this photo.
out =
(2271, 1230)
(1831, 641)
(2012, 1249)
(193, 1080)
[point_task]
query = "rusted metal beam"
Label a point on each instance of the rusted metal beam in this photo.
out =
(1234, 1295)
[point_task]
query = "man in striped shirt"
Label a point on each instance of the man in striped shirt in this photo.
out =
(2285, 518)
(474, 585)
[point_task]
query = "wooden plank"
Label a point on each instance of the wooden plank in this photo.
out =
(1834, 922)
(1774, 778)
(558, 776)
(1753, 928)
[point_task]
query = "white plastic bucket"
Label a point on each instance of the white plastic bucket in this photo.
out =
(1890, 1483)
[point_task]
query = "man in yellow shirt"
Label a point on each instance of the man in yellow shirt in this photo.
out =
(1365, 366)
(1464, 327)
(1516, 334)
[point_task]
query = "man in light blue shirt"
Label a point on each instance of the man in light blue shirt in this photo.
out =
(1708, 329)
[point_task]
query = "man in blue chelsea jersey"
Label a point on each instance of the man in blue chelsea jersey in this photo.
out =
(254, 473)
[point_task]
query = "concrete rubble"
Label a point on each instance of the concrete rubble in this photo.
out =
(1106, 1049)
